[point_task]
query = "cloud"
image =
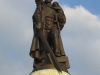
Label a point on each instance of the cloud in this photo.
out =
(15, 37)
(81, 38)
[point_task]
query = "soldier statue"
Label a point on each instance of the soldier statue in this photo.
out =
(48, 18)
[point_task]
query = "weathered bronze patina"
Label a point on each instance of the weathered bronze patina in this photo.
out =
(47, 48)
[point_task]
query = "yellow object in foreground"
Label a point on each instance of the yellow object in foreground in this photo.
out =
(48, 72)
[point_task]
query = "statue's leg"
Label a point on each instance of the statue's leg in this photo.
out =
(56, 45)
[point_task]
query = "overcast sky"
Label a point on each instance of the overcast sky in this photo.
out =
(81, 36)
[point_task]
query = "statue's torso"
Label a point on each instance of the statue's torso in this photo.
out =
(49, 16)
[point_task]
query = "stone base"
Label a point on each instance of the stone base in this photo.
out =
(48, 72)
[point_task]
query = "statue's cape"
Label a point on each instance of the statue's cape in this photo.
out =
(36, 47)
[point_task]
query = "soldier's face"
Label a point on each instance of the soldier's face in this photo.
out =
(48, 1)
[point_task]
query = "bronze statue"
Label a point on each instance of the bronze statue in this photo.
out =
(47, 48)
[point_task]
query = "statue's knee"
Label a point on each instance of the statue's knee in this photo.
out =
(55, 35)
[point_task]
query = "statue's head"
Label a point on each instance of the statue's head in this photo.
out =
(38, 1)
(48, 1)
(55, 4)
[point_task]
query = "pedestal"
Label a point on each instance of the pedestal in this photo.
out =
(48, 72)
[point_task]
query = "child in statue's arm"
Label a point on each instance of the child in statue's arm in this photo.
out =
(59, 16)
(57, 7)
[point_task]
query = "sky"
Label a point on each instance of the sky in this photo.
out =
(80, 36)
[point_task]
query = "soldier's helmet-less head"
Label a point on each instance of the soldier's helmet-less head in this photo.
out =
(38, 1)
(48, 1)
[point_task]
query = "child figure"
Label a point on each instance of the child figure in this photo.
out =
(57, 7)
(59, 16)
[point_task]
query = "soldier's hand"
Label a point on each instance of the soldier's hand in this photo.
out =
(38, 25)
